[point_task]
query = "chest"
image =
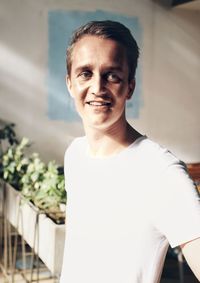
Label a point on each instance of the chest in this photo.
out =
(109, 199)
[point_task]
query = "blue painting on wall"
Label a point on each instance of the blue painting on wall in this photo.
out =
(61, 24)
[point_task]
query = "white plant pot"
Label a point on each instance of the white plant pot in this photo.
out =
(51, 236)
(1, 198)
(11, 203)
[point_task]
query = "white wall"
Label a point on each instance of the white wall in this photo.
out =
(170, 73)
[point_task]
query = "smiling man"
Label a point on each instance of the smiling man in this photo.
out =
(128, 197)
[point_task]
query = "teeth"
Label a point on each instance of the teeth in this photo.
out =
(97, 103)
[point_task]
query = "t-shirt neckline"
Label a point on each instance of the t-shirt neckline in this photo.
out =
(133, 144)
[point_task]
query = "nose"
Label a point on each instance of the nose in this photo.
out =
(98, 85)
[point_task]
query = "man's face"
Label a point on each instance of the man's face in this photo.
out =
(99, 81)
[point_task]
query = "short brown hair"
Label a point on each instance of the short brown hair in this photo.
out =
(107, 30)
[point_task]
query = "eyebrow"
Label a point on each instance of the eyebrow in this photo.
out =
(89, 67)
(82, 68)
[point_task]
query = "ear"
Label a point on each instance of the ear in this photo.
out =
(131, 88)
(69, 85)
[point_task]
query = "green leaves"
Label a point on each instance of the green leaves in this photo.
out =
(8, 133)
(52, 189)
(39, 183)
(14, 163)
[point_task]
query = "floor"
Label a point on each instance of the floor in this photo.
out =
(19, 279)
(170, 273)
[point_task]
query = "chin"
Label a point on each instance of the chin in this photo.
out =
(101, 126)
(99, 122)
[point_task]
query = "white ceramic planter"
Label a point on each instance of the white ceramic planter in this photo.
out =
(11, 203)
(1, 198)
(51, 236)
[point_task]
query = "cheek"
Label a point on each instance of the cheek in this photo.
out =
(79, 89)
(121, 91)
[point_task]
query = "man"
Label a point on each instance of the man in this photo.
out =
(128, 198)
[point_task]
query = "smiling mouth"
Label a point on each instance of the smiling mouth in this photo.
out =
(99, 103)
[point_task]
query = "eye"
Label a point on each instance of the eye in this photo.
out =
(85, 75)
(113, 77)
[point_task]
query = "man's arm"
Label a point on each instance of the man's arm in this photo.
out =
(191, 252)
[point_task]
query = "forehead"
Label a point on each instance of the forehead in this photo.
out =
(97, 49)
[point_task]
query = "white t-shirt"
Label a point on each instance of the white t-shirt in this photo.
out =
(123, 211)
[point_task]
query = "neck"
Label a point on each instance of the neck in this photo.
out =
(111, 141)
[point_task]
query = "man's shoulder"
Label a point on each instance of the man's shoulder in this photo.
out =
(158, 154)
(77, 145)
(78, 141)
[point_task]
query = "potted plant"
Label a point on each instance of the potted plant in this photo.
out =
(7, 138)
(44, 186)
(34, 193)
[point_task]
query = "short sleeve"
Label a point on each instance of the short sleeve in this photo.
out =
(177, 208)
